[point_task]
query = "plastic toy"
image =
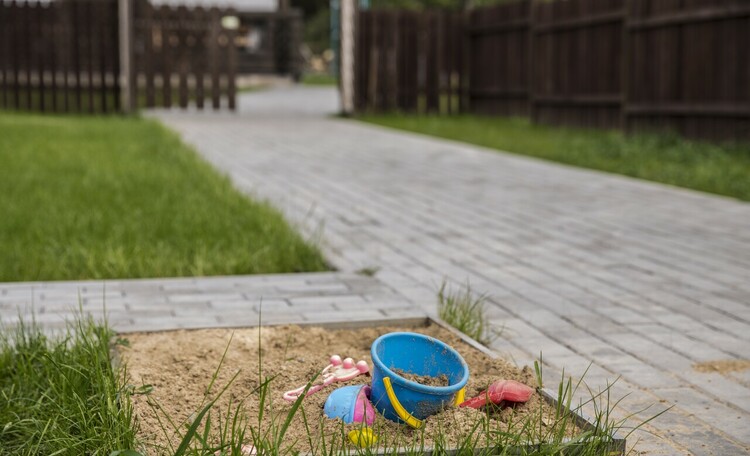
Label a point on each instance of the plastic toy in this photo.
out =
(351, 404)
(245, 450)
(363, 438)
(501, 390)
(337, 371)
(400, 399)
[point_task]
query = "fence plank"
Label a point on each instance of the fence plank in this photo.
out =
(231, 73)
(199, 58)
(432, 93)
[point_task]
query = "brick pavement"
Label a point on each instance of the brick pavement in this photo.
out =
(624, 278)
(205, 302)
(638, 280)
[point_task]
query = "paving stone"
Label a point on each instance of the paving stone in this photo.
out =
(626, 277)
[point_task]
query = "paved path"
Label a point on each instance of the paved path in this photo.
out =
(641, 280)
(233, 301)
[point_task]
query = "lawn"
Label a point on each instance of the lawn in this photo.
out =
(720, 169)
(113, 197)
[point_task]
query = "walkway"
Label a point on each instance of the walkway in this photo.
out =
(642, 280)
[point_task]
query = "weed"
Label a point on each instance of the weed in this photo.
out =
(465, 311)
(63, 397)
(368, 271)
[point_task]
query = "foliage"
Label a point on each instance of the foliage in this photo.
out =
(667, 158)
(313, 79)
(110, 197)
(318, 31)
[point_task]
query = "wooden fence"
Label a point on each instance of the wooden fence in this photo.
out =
(409, 61)
(65, 55)
(60, 56)
(184, 55)
(682, 65)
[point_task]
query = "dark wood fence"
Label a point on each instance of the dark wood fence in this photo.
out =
(682, 65)
(576, 62)
(183, 56)
(409, 61)
(688, 67)
(61, 56)
(498, 42)
(64, 55)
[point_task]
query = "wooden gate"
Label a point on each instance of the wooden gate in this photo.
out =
(184, 56)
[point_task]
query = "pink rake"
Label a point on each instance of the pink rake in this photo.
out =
(337, 371)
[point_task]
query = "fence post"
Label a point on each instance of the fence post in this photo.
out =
(127, 75)
(348, 32)
(625, 65)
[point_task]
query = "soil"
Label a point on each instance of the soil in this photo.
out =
(180, 365)
(440, 380)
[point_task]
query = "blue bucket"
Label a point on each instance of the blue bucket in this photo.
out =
(402, 400)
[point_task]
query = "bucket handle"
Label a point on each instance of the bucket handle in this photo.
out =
(405, 416)
(460, 396)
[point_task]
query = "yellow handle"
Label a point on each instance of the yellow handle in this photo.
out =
(400, 410)
(460, 396)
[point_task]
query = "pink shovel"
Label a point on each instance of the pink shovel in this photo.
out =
(501, 390)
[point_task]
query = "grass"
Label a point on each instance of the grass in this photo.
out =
(319, 79)
(111, 197)
(531, 434)
(666, 158)
(465, 311)
(61, 396)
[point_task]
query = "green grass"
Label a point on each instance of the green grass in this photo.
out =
(317, 79)
(211, 431)
(666, 158)
(465, 311)
(111, 197)
(61, 396)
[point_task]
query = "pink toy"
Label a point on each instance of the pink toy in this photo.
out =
(501, 390)
(337, 371)
(351, 404)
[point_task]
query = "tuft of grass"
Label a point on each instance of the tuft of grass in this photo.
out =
(666, 158)
(465, 311)
(368, 271)
(61, 395)
(110, 197)
(555, 433)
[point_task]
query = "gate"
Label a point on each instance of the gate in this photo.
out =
(184, 56)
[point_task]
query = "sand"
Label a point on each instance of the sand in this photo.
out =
(179, 365)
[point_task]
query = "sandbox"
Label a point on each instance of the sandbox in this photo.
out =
(180, 365)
